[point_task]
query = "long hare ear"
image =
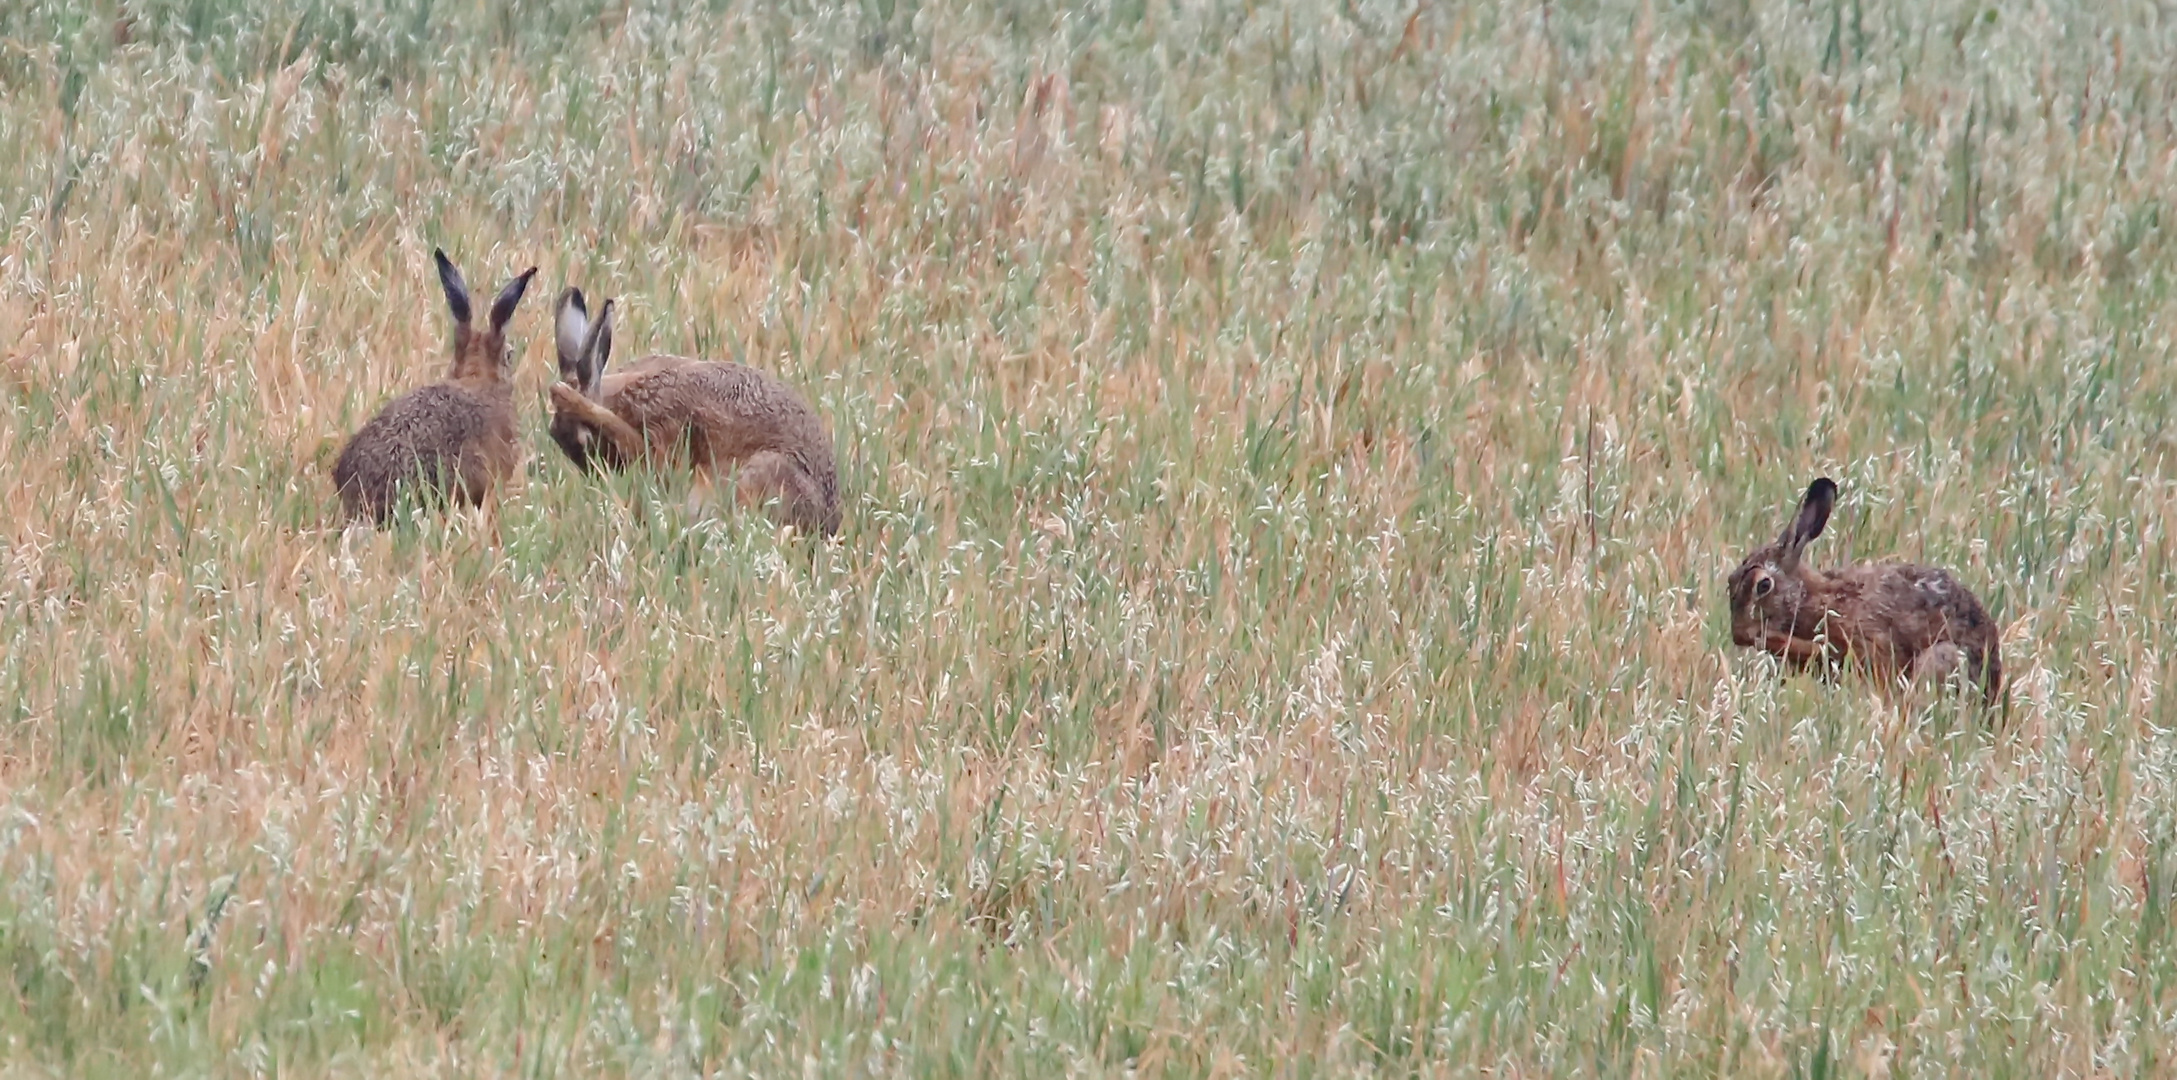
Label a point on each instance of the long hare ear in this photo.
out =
(570, 325)
(596, 349)
(457, 291)
(502, 308)
(1813, 517)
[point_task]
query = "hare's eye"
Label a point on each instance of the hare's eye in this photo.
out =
(1763, 586)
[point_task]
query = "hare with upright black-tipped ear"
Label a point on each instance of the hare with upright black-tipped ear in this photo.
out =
(455, 438)
(717, 418)
(1893, 620)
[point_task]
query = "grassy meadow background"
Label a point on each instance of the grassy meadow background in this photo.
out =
(1292, 449)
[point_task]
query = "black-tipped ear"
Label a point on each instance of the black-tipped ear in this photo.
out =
(1812, 519)
(595, 351)
(502, 308)
(570, 328)
(457, 291)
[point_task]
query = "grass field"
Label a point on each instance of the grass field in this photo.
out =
(1293, 453)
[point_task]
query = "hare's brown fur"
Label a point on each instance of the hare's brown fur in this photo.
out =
(456, 438)
(1891, 619)
(717, 418)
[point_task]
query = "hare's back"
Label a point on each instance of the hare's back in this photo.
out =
(632, 390)
(435, 421)
(737, 409)
(616, 381)
(1928, 604)
(442, 435)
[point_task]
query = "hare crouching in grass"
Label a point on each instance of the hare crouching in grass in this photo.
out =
(456, 437)
(717, 418)
(1893, 620)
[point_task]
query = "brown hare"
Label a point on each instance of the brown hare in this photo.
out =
(1895, 621)
(717, 418)
(454, 438)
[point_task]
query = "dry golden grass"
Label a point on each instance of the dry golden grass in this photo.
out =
(1292, 456)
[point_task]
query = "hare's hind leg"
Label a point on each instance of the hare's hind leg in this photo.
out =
(1938, 663)
(767, 475)
(1947, 663)
(762, 477)
(473, 487)
(358, 505)
(1943, 670)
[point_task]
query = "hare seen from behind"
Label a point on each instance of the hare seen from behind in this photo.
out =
(1893, 620)
(455, 438)
(714, 417)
